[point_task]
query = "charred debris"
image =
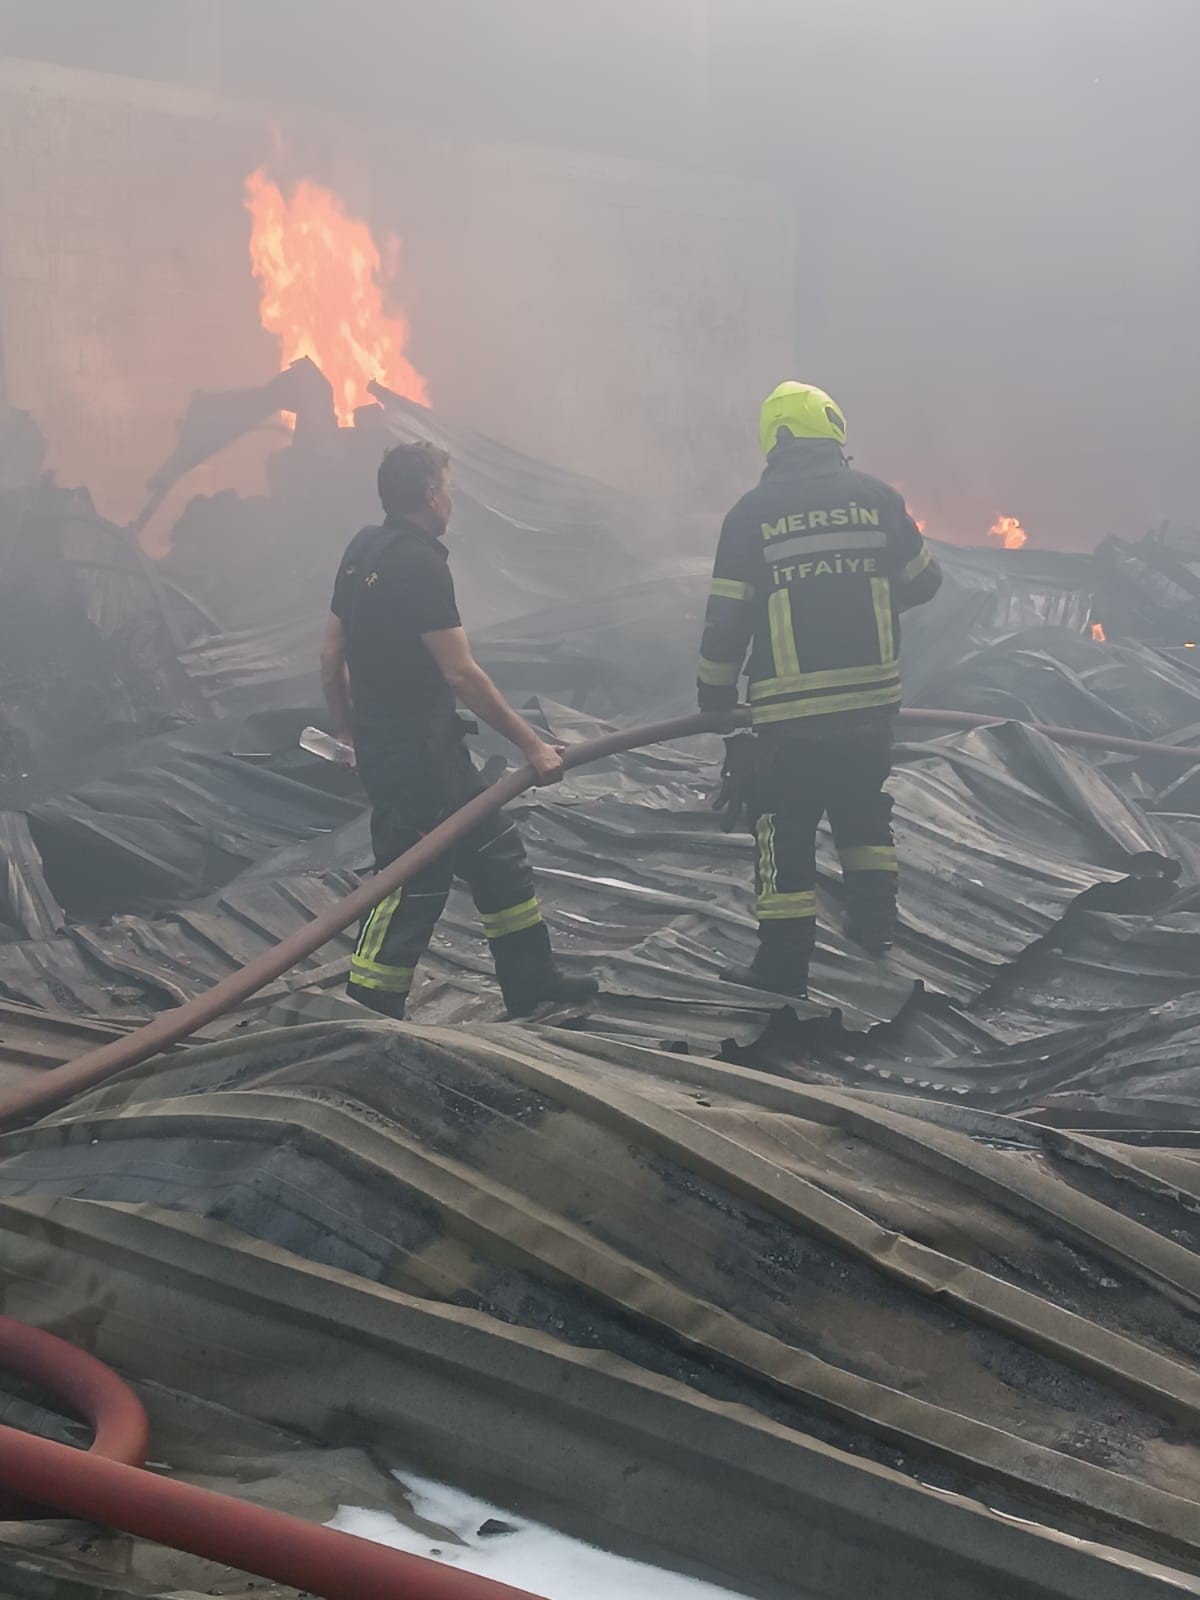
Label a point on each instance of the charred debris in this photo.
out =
(149, 711)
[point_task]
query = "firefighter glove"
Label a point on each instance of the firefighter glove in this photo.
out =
(735, 798)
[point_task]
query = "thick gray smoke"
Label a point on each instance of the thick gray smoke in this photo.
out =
(976, 224)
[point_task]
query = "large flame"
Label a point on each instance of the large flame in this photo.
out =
(1009, 531)
(322, 283)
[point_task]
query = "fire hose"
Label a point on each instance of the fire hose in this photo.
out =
(88, 1389)
(62, 1083)
(107, 1483)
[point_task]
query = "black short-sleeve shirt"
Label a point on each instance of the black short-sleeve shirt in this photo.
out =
(393, 586)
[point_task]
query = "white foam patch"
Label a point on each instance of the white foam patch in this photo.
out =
(535, 1558)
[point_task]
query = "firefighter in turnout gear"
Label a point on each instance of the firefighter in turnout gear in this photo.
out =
(813, 569)
(394, 660)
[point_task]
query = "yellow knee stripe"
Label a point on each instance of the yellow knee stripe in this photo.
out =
(376, 926)
(499, 924)
(774, 907)
(764, 832)
(868, 858)
(374, 975)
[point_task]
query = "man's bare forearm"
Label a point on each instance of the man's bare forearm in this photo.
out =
(335, 681)
(335, 677)
(480, 695)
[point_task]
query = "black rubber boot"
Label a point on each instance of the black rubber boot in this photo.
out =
(529, 978)
(872, 930)
(773, 977)
(387, 1005)
(553, 988)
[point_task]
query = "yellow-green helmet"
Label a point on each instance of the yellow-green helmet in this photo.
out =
(807, 413)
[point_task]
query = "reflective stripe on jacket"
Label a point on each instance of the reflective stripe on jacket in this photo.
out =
(812, 570)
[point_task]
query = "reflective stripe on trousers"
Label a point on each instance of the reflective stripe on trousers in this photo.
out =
(799, 782)
(491, 860)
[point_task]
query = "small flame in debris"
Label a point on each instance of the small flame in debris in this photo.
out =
(1009, 531)
(920, 525)
(1098, 633)
(322, 292)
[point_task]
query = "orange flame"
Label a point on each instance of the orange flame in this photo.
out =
(322, 292)
(1098, 633)
(1010, 531)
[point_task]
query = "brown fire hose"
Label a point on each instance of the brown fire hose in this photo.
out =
(107, 1484)
(169, 1027)
(86, 1388)
(305, 1555)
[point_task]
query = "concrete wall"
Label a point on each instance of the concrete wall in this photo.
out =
(615, 317)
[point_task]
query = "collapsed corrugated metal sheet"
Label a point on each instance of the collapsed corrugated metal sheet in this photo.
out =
(881, 1304)
(1002, 833)
(1151, 588)
(968, 1303)
(1006, 838)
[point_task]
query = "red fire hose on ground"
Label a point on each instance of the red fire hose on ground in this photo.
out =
(60, 1084)
(107, 1484)
(86, 1388)
(120, 1431)
(314, 1559)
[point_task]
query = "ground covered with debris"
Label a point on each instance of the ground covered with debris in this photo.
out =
(918, 1255)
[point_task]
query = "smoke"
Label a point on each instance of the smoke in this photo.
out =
(1001, 252)
(622, 224)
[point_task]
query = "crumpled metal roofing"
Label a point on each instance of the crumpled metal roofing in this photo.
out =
(857, 1265)
(1005, 837)
(965, 1301)
(639, 883)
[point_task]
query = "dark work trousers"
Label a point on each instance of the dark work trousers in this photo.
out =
(800, 780)
(413, 785)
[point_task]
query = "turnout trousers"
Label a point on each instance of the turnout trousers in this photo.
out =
(800, 780)
(415, 785)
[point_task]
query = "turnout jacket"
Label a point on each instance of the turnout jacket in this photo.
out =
(813, 569)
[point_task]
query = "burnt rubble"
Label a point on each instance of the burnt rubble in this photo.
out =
(161, 825)
(923, 1248)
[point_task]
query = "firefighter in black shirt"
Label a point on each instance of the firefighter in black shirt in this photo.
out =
(813, 569)
(394, 660)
